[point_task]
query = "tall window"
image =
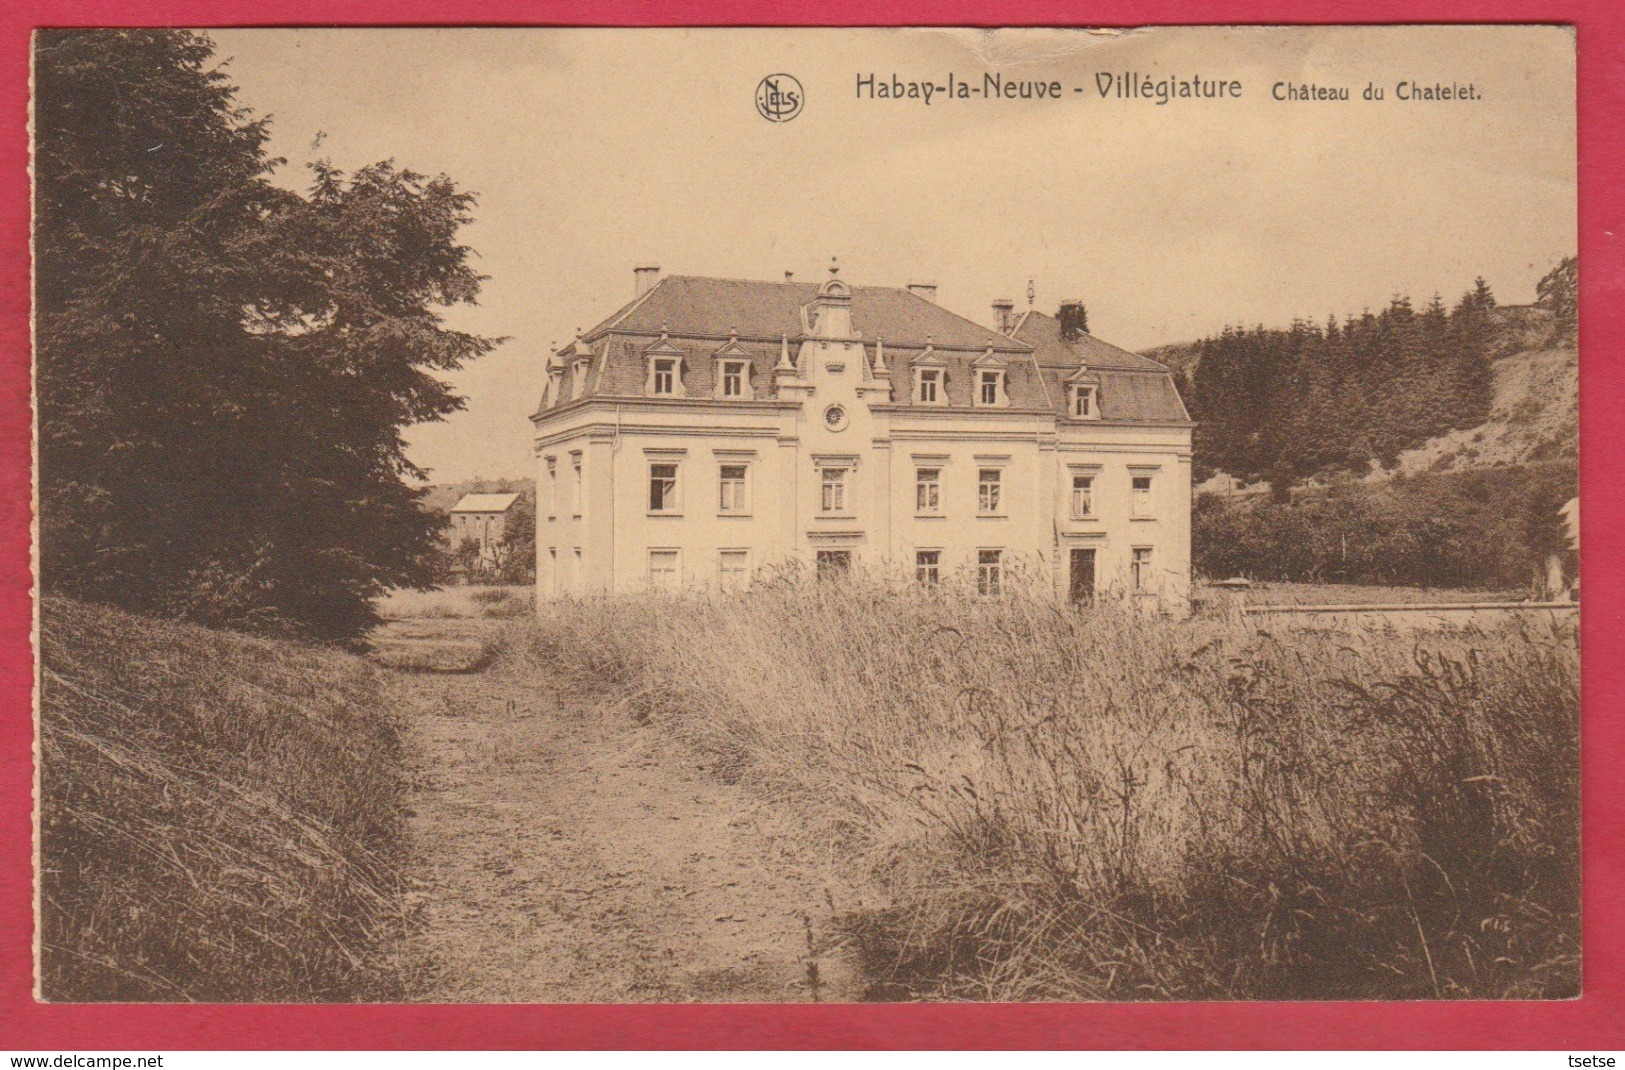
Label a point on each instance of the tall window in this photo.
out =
(1142, 496)
(575, 485)
(733, 569)
(989, 572)
(553, 569)
(1083, 402)
(576, 577)
(552, 488)
(663, 487)
(1140, 569)
(987, 490)
(731, 489)
(833, 488)
(930, 385)
(664, 570)
(928, 490)
(928, 566)
(733, 378)
(1083, 496)
(665, 375)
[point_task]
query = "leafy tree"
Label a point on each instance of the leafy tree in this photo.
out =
(1560, 292)
(519, 542)
(224, 366)
(1074, 320)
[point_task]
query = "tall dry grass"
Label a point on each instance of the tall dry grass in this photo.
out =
(220, 816)
(1041, 802)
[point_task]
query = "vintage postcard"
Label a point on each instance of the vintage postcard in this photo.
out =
(791, 515)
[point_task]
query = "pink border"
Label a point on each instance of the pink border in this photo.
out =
(1594, 1021)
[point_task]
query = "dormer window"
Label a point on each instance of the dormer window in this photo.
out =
(665, 376)
(733, 378)
(990, 381)
(1083, 394)
(665, 370)
(928, 386)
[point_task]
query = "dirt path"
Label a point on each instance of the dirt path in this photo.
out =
(569, 856)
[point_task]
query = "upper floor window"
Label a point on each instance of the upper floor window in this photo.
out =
(928, 490)
(552, 488)
(731, 489)
(833, 490)
(1142, 497)
(576, 494)
(929, 388)
(663, 487)
(665, 376)
(734, 379)
(1083, 497)
(988, 487)
(1083, 402)
(989, 572)
(990, 387)
(928, 566)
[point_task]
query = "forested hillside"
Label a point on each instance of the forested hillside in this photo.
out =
(1285, 404)
(1428, 448)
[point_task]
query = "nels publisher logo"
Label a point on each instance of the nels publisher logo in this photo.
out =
(779, 98)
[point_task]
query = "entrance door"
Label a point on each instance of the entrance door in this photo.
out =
(834, 564)
(1082, 585)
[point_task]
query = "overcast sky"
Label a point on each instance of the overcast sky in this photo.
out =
(594, 150)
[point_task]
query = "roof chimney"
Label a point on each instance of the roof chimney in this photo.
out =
(927, 290)
(645, 277)
(1004, 315)
(789, 276)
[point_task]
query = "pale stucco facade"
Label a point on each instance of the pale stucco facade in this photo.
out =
(829, 455)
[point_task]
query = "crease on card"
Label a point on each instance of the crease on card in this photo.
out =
(1007, 47)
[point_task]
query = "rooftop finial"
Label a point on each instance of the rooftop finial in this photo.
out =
(1032, 294)
(784, 364)
(880, 357)
(834, 266)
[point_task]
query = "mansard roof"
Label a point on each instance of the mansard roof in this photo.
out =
(1043, 334)
(690, 306)
(703, 319)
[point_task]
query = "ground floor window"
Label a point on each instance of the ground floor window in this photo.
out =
(989, 572)
(553, 570)
(733, 568)
(834, 564)
(664, 570)
(928, 566)
(575, 574)
(1140, 569)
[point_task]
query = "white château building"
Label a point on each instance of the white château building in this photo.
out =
(712, 427)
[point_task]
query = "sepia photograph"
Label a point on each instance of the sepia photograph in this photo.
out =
(597, 516)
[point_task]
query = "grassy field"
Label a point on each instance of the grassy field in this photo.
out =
(1043, 803)
(220, 817)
